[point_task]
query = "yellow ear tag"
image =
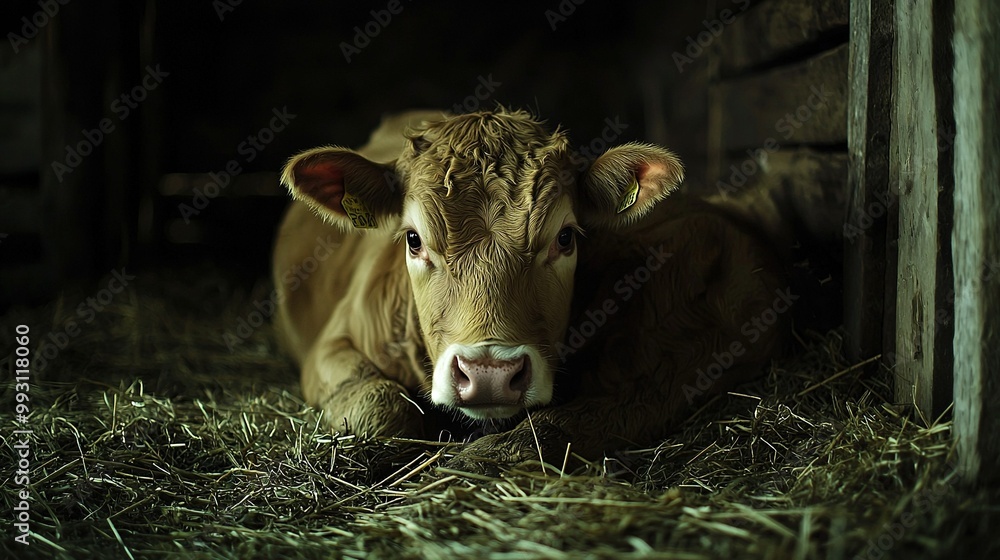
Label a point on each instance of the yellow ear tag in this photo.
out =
(359, 214)
(631, 195)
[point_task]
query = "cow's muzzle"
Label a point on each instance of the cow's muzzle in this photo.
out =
(490, 382)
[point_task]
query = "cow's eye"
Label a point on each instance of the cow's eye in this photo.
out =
(565, 239)
(413, 241)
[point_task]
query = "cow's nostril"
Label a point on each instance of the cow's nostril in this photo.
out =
(520, 380)
(459, 377)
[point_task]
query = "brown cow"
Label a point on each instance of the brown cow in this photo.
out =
(480, 263)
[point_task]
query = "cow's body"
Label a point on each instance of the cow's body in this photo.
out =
(361, 289)
(663, 312)
(360, 293)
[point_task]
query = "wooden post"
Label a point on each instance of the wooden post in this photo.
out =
(921, 175)
(869, 263)
(976, 253)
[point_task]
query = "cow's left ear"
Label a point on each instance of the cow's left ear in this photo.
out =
(344, 187)
(625, 182)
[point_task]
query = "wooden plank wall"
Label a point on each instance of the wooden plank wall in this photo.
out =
(778, 107)
(65, 218)
(977, 238)
(777, 141)
(923, 136)
(916, 114)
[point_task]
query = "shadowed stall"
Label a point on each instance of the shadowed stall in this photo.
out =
(148, 409)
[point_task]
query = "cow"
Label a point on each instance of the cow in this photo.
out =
(478, 263)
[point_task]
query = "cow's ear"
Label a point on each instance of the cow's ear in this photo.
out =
(344, 187)
(625, 182)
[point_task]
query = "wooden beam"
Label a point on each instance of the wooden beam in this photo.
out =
(976, 254)
(923, 349)
(869, 268)
(775, 30)
(804, 103)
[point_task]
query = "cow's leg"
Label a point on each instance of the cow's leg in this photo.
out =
(355, 395)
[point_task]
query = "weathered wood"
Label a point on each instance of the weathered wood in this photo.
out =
(977, 238)
(775, 29)
(805, 103)
(923, 359)
(869, 267)
(804, 184)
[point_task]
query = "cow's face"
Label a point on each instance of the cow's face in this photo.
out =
(489, 231)
(487, 209)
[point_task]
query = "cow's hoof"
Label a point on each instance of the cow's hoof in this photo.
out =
(495, 453)
(489, 455)
(474, 465)
(376, 409)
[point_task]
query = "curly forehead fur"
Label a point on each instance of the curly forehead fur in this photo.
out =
(485, 183)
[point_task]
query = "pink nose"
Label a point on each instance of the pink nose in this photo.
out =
(491, 382)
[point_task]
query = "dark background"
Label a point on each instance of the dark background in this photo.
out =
(230, 67)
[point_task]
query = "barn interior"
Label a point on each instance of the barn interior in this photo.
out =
(140, 148)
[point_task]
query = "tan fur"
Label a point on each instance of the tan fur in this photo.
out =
(490, 192)
(358, 298)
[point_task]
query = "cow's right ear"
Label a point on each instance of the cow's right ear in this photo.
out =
(344, 187)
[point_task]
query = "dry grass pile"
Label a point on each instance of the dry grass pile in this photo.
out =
(152, 437)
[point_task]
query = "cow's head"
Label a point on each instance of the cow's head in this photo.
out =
(486, 209)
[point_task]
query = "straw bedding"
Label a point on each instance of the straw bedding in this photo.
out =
(153, 437)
